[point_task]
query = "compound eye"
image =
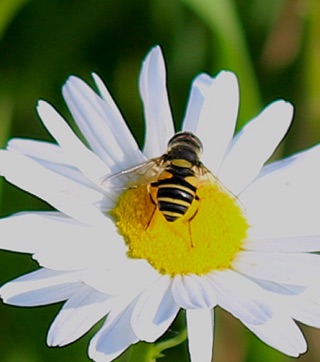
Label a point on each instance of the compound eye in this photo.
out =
(198, 143)
(187, 138)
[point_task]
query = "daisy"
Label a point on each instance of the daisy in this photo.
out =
(246, 243)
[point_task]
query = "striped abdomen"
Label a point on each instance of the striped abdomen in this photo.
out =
(174, 197)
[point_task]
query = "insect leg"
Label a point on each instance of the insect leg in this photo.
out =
(154, 203)
(189, 225)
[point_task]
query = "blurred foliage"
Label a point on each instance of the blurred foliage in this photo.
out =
(273, 46)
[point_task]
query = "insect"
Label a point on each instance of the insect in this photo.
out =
(176, 176)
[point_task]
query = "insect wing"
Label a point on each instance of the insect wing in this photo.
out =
(141, 174)
(204, 175)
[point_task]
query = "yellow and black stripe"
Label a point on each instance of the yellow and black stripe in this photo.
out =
(174, 196)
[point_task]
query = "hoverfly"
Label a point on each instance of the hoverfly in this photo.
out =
(176, 176)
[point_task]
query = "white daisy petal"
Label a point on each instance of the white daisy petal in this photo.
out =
(212, 114)
(62, 193)
(199, 89)
(84, 309)
(41, 150)
(103, 134)
(128, 278)
(18, 233)
(281, 333)
(305, 307)
(193, 292)
(291, 268)
(63, 236)
(279, 289)
(40, 287)
(284, 245)
(244, 158)
(153, 91)
(305, 312)
(82, 111)
(74, 256)
(80, 156)
(50, 156)
(128, 143)
(200, 334)
(114, 337)
(105, 95)
(284, 200)
(154, 311)
(241, 297)
(75, 246)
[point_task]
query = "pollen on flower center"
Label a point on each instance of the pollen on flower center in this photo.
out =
(206, 238)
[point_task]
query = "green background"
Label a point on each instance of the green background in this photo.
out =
(273, 46)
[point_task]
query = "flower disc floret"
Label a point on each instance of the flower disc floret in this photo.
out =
(206, 238)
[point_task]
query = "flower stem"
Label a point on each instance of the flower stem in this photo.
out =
(150, 352)
(143, 352)
(172, 342)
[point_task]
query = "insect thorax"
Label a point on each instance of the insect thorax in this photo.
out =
(182, 156)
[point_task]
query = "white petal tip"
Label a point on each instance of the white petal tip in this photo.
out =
(4, 299)
(53, 341)
(227, 74)
(44, 108)
(6, 293)
(282, 105)
(154, 55)
(156, 50)
(72, 78)
(96, 77)
(70, 82)
(50, 343)
(41, 103)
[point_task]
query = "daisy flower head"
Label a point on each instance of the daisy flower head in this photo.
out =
(194, 220)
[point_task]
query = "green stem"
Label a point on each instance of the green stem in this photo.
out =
(172, 342)
(150, 352)
(143, 352)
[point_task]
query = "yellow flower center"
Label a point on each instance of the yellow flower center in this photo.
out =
(206, 238)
